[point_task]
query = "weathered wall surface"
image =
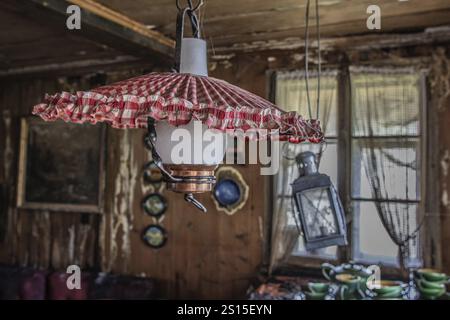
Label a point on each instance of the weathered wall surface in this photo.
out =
(440, 98)
(207, 255)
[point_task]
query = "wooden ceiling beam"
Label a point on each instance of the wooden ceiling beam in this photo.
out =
(294, 37)
(367, 42)
(61, 67)
(237, 23)
(346, 13)
(102, 25)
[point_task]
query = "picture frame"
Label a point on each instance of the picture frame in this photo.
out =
(61, 166)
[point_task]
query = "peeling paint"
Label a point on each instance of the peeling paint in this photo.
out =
(121, 222)
(261, 227)
(8, 152)
(440, 78)
(13, 225)
(445, 166)
(71, 243)
(445, 163)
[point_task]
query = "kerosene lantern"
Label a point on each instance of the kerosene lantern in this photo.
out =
(319, 208)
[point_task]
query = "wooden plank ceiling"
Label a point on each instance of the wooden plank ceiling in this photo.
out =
(235, 22)
(33, 32)
(34, 36)
(25, 42)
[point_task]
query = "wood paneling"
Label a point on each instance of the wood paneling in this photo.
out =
(207, 255)
(440, 99)
(37, 238)
(210, 255)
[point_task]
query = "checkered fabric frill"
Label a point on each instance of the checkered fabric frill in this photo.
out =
(178, 98)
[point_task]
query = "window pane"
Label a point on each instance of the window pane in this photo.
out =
(371, 241)
(324, 253)
(318, 212)
(393, 166)
(385, 104)
(299, 248)
(291, 96)
(289, 172)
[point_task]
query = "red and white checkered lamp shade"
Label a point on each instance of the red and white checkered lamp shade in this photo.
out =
(177, 98)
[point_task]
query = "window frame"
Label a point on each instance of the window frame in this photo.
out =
(303, 260)
(344, 141)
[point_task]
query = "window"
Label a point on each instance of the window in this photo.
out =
(386, 161)
(291, 95)
(383, 163)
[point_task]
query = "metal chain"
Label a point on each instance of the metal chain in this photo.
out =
(307, 58)
(319, 71)
(319, 67)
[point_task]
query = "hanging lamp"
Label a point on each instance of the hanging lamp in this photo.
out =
(186, 98)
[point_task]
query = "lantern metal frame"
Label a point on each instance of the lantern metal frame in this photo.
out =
(309, 180)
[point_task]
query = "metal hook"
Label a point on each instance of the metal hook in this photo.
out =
(191, 8)
(189, 197)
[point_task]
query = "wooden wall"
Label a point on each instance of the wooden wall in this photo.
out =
(440, 114)
(209, 255)
(36, 238)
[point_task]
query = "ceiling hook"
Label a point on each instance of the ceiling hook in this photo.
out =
(191, 7)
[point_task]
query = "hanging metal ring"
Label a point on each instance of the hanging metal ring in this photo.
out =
(200, 3)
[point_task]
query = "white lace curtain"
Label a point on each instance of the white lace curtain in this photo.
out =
(386, 130)
(385, 137)
(291, 96)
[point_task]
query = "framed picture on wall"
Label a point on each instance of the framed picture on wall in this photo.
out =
(61, 166)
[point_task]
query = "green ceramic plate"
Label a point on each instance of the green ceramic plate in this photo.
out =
(432, 275)
(388, 287)
(318, 287)
(392, 294)
(315, 295)
(431, 293)
(438, 285)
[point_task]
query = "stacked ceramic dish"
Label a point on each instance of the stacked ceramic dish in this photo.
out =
(431, 284)
(318, 291)
(388, 290)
